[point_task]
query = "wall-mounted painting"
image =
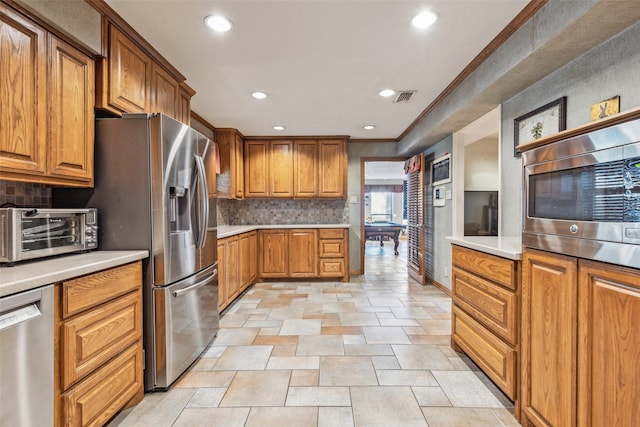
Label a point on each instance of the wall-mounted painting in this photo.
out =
(605, 108)
(541, 122)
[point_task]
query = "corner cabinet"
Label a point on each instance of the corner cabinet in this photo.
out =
(485, 321)
(46, 131)
(230, 180)
(98, 343)
(580, 342)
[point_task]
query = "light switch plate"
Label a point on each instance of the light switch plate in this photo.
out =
(449, 196)
(353, 200)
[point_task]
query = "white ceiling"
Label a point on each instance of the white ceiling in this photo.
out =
(322, 62)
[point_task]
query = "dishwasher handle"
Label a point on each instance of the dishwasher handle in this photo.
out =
(197, 285)
(19, 308)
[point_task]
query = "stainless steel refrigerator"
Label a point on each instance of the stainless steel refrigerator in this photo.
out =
(153, 190)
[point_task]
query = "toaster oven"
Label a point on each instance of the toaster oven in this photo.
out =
(29, 233)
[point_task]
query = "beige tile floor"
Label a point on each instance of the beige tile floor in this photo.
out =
(371, 352)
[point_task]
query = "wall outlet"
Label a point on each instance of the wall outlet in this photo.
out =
(446, 272)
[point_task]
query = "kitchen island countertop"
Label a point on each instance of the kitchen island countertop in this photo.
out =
(232, 230)
(505, 247)
(34, 274)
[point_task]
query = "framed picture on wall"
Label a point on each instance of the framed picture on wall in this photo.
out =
(441, 170)
(541, 122)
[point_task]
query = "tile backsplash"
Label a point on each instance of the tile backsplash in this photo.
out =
(285, 211)
(25, 194)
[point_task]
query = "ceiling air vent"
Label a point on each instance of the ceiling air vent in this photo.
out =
(404, 96)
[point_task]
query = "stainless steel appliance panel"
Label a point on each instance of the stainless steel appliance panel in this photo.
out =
(582, 196)
(29, 233)
(173, 180)
(151, 188)
(26, 358)
(186, 321)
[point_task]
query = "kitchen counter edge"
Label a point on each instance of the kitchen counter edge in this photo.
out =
(34, 274)
(232, 230)
(505, 247)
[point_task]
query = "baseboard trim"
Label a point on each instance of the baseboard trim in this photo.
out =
(442, 287)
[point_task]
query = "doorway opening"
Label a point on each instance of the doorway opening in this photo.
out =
(384, 216)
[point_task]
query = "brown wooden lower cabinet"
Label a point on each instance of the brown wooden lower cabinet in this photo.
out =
(485, 315)
(580, 342)
(298, 253)
(236, 266)
(98, 345)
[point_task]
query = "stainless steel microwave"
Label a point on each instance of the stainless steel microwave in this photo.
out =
(582, 196)
(28, 233)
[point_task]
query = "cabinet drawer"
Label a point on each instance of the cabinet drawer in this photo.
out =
(488, 303)
(499, 270)
(332, 267)
(99, 397)
(91, 339)
(497, 359)
(331, 233)
(331, 248)
(94, 289)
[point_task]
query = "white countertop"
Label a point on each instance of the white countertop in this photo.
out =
(232, 230)
(505, 247)
(33, 274)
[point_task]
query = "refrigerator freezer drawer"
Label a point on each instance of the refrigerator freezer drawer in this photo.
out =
(186, 321)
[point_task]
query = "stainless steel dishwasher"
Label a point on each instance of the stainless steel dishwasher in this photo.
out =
(26, 358)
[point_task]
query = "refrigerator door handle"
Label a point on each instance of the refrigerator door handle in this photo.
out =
(195, 286)
(204, 202)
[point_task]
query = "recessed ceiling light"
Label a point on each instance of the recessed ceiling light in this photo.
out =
(278, 127)
(368, 127)
(424, 19)
(259, 95)
(218, 23)
(387, 93)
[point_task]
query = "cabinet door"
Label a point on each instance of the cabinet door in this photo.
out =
(22, 94)
(332, 165)
(305, 163)
(303, 253)
(238, 172)
(247, 259)
(183, 106)
(253, 256)
(256, 168)
(71, 110)
(129, 74)
(274, 253)
(223, 280)
(281, 168)
(608, 345)
(164, 92)
(94, 337)
(549, 325)
(233, 268)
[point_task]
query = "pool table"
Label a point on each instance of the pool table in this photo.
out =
(380, 230)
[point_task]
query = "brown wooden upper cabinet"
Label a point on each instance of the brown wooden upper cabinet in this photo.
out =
(305, 164)
(46, 129)
(332, 164)
(133, 81)
(298, 168)
(230, 180)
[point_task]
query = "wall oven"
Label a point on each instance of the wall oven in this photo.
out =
(582, 196)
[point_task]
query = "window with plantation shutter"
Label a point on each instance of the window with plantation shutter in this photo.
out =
(415, 221)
